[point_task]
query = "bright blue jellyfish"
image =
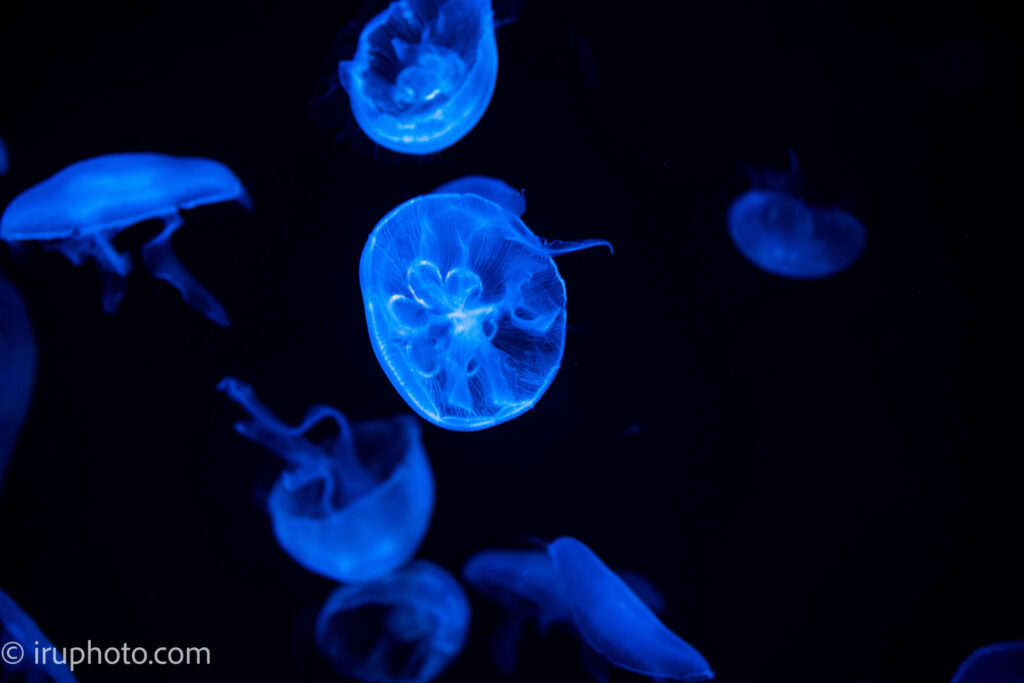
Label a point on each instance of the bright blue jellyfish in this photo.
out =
(465, 308)
(498, 191)
(567, 584)
(403, 628)
(21, 642)
(423, 73)
(353, 506)
(779, 233)
(4, 159)
(79, 210)
(996, 663)
(17, 368)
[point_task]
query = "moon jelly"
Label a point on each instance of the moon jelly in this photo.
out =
(423, 73)
(353, 506)
(465, 308)
(498, 191)
(403, 628)
(568, 584)
(79, 211)
(996, 663)
(4, 159)
(21, 642)
(17, 368)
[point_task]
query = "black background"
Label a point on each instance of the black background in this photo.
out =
(819, 476)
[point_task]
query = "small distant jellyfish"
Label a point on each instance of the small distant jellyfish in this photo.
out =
(498, 191)
(567, 584)
(465, 307)
(405, 627)
(4, 159)
(17, 368)
(21, 641)
(353, 506)
(423, 73)
(82, 208)
(780, 234)
(996, 663)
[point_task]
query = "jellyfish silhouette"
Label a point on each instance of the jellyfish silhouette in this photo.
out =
(353, 506)
(17, 368)
(996, 663)
(498, 191)
(567, 584)
(423, 73)
(403, 628)
(4, 159)
(465, 308)
(779, 233)
(21, 642)
(82, 208)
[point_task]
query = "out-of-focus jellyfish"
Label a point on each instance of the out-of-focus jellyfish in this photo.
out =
(465, 308)
(17, 368)
(996, 663)
(22, 645)
(423, 73)
(498, 191)
(4, 159)
(403, 628)
(780, 233)
(80, 210)
(567, 584)
(352, 506)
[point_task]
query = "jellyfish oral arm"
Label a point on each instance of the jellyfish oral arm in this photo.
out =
(558, 247)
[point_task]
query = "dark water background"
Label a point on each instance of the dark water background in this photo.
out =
(820, 477)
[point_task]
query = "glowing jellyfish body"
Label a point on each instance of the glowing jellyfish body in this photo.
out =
(4, 159)
(423, 73)
(465, 308)
(996, 663)
(498, 191)
(352, 507)
(17, 368)
(82, 208)
(403, 628)
(22, 643)
(568, 584)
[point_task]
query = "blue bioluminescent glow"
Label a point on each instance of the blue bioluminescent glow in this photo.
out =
(403, 628)
(996, 663)
(79, 210)
(22, 643)
(17, 368)
(568, 584)
(465, 308)
(4, 159)
(423, 73)
(353, 506)
(498, 191)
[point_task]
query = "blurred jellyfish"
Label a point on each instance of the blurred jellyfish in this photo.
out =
(17, 368)
(403, 628)
(22, 642)
(996, 663)
(465, 308)
(353, 506)
(4, 159)
(779, 233)
(498, 191)
(423, 73)
(82, 208)
(567, 584)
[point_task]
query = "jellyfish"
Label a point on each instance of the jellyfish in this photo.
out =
(17, 368)
(567, 584)
(4, 159)
(465, 308)
(498, 191)
(82, 208)
(352, 506)
(780, 233)
(423, 73)
(996, 663)
(22, 648)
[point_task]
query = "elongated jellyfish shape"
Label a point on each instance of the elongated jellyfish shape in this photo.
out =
(498, 191)
(996, 663)
(17, 368)
(465, 308)
(403, 628)
(20, 641)
(353, 506)
(79, 210)
(4, 159)
(567, 584)
(423, 73)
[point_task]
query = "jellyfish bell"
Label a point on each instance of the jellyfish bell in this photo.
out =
(465, 308)
(498, 191)
(79, 210)
(17, 368)
(995, 663)
(353, 506)
(20, 638)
